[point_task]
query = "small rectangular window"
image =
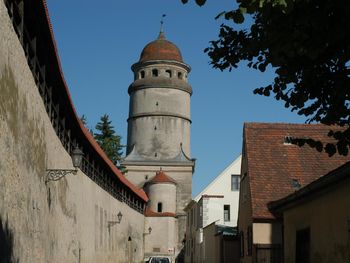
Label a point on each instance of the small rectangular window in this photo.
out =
(235, 181)
(226, 213)
(160, 207)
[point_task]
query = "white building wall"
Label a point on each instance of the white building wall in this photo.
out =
(208, 206)
(218, 194)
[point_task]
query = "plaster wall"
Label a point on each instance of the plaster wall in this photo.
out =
(213, 207)
(213, 211)
(159, 137)
(328, 217)
(61, 221)
(163, 239)
(267, 233)
(162, 193)
(160, 100)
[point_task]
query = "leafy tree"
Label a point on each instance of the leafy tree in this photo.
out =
(307, 44)
(108, 139)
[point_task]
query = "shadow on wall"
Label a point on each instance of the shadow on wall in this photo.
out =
(181, 256)
(6, 243)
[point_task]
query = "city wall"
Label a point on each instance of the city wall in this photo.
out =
(69, 220)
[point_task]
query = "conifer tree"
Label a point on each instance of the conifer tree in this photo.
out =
(108, 139)
(83, 119)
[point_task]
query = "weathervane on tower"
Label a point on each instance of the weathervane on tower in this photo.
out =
(162, 22)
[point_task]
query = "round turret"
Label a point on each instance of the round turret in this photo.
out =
(161, 191)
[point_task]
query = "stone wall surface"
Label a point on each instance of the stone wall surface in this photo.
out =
(58, 221)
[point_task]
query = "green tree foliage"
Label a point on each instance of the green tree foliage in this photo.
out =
(108, 139)
(307, 44)
(83, 119)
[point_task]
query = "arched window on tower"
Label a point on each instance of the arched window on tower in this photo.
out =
(179, 75)
(168, 73)
(142, 74)
(154, 72)
(160, 207)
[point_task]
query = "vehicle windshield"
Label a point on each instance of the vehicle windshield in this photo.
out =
(160, 260)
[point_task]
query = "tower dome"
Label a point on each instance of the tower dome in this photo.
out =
(160, 49)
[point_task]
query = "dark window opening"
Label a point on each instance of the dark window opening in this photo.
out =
(160, 207)
(155, 73)
(168, 73)
(142, 74)
(302, 246)
(179, 75)
(226, 213)
(288, 140)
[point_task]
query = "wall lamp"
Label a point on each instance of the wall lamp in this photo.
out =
(149, 231)
(57, 174)
(119, 219)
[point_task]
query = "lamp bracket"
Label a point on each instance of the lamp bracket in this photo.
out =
(57, 174)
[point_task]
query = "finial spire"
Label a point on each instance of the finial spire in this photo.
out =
(161, 31)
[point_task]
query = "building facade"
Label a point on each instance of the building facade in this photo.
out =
(316, 220)
(272, 168)
(159, 142)
(216, 205)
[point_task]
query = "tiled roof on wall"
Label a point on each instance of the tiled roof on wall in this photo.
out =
(65, 91)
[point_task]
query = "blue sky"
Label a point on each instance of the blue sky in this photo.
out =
(98, 41)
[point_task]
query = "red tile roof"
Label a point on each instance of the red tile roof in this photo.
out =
(161, 178)
(272, 165)
(91, 140)
(151, 213)
(160, 49)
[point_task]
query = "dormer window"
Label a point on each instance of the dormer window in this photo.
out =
(287, 140)
(160, 207)
(155, 73)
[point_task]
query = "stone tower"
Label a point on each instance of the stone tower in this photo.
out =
(159, 142)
